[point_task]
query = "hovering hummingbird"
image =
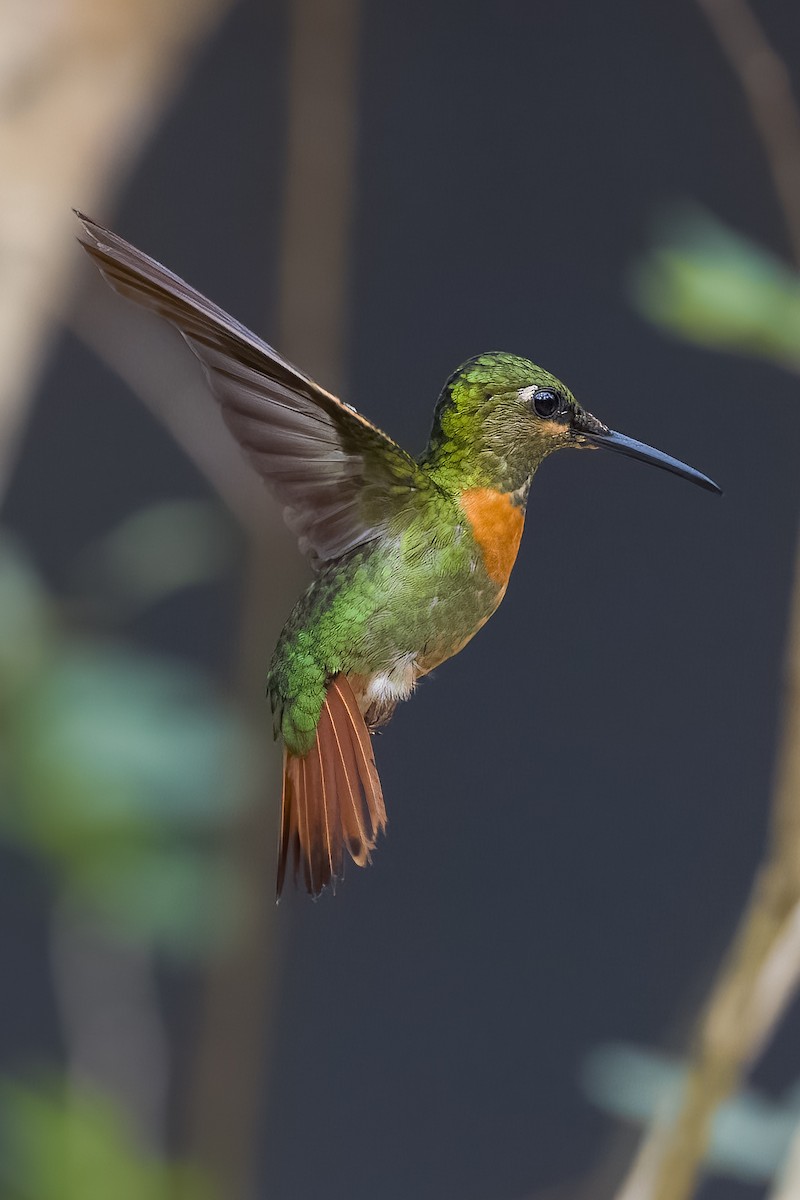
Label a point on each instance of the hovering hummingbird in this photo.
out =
(411, 555)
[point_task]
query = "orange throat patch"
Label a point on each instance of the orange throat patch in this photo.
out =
(496, 524)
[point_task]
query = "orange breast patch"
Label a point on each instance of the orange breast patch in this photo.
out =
(496, 523)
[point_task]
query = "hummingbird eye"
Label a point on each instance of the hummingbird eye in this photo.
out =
(546, 402)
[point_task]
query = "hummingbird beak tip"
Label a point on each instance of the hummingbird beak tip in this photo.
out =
(620, 444)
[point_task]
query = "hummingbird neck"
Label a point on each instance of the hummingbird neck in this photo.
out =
(457, 464)
(462, 454)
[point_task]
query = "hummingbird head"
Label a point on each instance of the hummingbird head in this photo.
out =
(499, 416)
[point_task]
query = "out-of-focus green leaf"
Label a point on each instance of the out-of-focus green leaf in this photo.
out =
(68, 1145)
(123, 770)
(715, 287)
(26, 622)
(128, 738)
(750, 1138)
(161, 549)
(120, 769)
(187, 900)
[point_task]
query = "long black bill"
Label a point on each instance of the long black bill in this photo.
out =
(625, 445)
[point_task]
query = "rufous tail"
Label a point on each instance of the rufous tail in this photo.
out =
(332, 800)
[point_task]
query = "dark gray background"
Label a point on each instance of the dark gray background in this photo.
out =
(578, 802)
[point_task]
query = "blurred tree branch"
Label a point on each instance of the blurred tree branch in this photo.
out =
(227, 1092)
(788, 1185)
(168, 382)
(761, 971)
(81, 85)
(755, 983)
(111, 1018)
(767, 87)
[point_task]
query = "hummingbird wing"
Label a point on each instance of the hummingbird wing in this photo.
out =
(339, 477)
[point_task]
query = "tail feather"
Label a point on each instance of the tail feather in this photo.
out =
(290, 832)
(366, 804)
(332, 799)
(354, 812)
(312, 863)
(323, 781)
(364, 750)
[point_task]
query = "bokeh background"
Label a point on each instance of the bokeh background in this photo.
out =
(579, 802)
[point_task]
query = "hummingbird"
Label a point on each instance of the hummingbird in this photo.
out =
(411, 555)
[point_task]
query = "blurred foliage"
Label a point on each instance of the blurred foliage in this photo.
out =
(120, 769)
(715, 287)
(74, 1144)
(751, 1135)
(155, 552)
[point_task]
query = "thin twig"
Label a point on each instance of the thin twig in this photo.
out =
(767, 87)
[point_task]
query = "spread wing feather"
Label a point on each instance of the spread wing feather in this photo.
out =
(339, 478)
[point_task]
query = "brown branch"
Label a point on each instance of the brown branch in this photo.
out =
(81, 86)
(761, 972)
(318, 200)
(226, 1090)
(232, 1050)
(787, 1186)
(228, 1068)
(754, 986)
